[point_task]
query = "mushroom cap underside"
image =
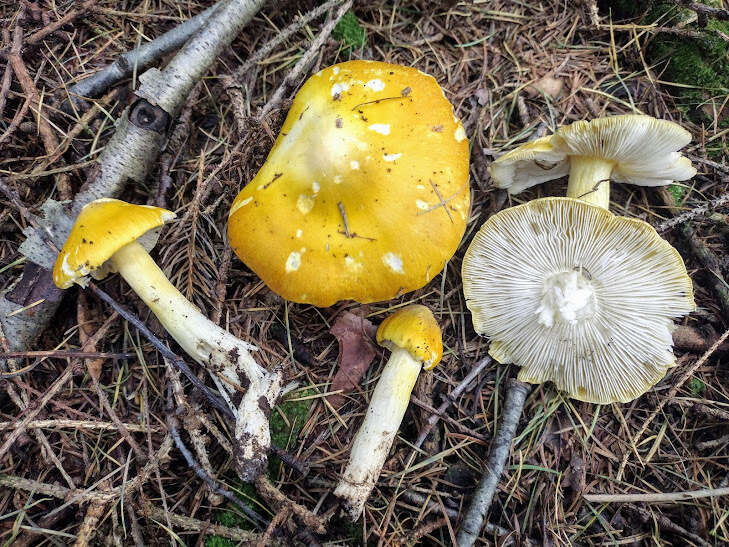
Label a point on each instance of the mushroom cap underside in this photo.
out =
(578, 296)
(414, 329)
(102, 228)
(365, 193)
(642, 149)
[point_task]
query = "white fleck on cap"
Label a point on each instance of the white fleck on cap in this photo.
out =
(577, 296)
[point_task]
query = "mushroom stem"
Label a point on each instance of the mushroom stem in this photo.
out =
(376, 434)
(590, 180)
(215, 348)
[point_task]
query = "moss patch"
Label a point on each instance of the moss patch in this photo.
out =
(230, 514)
(286, 422)
(678, 192)
(701, 62)
(697, 387)
(349, 31)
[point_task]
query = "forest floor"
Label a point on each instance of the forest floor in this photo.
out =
(512, 70)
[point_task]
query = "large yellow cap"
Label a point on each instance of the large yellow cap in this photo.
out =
(365, 193)
(414, 329)
(102, 228)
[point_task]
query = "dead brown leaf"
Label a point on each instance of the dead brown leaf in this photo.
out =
(357, 349)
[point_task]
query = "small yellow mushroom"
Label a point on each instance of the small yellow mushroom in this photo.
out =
(414, 337)
(110, 235)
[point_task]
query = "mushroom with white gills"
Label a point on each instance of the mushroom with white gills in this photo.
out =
(574, 295)
(414, 337)
(630, 148)
(110, 235)
(364, 195)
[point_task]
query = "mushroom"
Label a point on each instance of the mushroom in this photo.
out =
(631, 148)
(414, 337)
(366, 187)
(111, 235)
(573, 295)
(577, 296)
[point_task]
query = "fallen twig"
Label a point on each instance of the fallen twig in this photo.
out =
(661, 497)
(35, 407)
(301, 66)
(703, 12)
(489, 527)
(89, 494)
(72, 14)
(129, 155)
(48, 136)
(82, 425)
(173, 424)
(141, 57)
(276, 497)
(500, 447)
(207, 528)
(166, 352)
(668, 397)
(667, 524)
(705, 209)
(711, 262)
(452, 398)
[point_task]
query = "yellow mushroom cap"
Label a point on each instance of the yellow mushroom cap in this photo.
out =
(414, 329)
(375, 144)
(102, 228)
(577, 296)
(642, 149)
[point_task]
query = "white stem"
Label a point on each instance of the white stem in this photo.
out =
(376, 434)
(253, 390)
(590, 180)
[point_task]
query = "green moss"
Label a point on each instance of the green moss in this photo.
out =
(288, 417)
(217, 541)
(230, 515)
(700, 62)
(678, 192)
(349, 31)
(696, 386)
(286, 422)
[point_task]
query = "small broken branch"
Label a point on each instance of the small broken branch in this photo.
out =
(128, 156)
(173, 424)
(705, 209)
(704, 12)
(72, 14)
(711, 262)
(500, 448)
(665, 398)
(452, 397)
(140, 58)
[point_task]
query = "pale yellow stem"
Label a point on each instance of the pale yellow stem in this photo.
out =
(216, 349)
(375, 436)
(590, 180)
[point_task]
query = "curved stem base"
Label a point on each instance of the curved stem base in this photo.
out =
(249, 389)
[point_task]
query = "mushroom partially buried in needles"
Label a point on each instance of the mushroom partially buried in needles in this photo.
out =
(414, 337)
(110, 235)
(630, 148)
(575, 296)
(364, 195)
